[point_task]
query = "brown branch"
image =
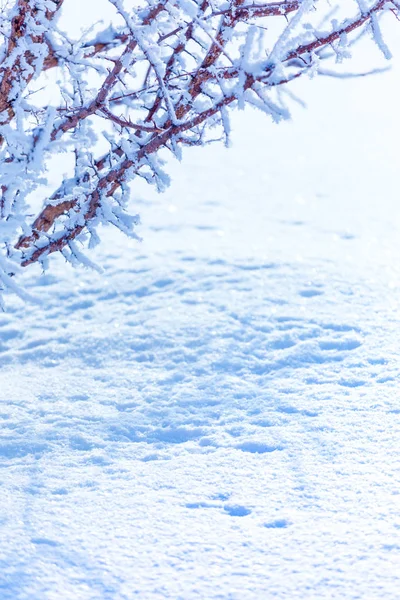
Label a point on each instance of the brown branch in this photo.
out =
(108, 184)
(114, 178)
(178, 49)
(235, 14)
(275, 9)
(98, 103)
(70, 122)
(336, 35)
(16, 71)
(52, 60)
(129, 124)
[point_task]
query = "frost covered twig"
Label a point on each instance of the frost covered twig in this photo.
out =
(160, 77)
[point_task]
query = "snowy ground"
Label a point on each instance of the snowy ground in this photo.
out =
(218, 415)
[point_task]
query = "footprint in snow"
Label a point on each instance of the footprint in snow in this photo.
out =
(310, 293)
(236, 510)
(277, 524)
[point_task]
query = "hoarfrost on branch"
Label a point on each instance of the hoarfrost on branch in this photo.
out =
(162, 75)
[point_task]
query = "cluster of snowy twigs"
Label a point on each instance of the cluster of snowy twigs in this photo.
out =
(163, 75)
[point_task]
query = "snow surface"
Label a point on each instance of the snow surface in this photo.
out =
(218, 416)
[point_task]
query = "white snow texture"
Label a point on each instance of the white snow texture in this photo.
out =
(217, 415)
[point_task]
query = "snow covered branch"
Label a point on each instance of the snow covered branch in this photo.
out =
(162, 75)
